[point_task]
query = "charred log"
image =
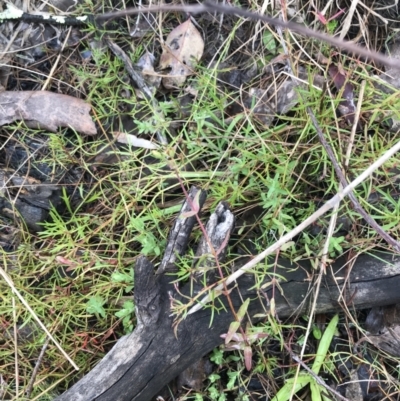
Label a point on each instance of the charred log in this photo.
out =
(142, 363)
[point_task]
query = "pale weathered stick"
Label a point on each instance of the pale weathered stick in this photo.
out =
(287, 237)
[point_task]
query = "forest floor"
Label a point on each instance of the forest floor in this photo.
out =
(222, 102)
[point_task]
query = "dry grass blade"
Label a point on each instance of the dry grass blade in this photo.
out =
(322, 271)
(349, 18)
(37, 366)
(355, 124)
(317, 378)
(15, 346)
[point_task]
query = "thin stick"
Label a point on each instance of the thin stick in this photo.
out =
(325, 250)
(55, 65)
(287, 237)
(212, 7)
(15, 347)
(209, 6)
(322, 271)
(316, 377)
(36, 369)
(347, 21)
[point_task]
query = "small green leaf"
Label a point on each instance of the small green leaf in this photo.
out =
(222, 397)
(214, 377)
(269, 41)
(95, 306)
(243, 309)
(232, 379)
(331, 26)
(316, 332)
(324, 344)
(233, 327)
(213, 393)
(118, 277)
(292, 386)
(217, 356)
(127, 310)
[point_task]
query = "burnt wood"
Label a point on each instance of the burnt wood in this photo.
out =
(142, 363)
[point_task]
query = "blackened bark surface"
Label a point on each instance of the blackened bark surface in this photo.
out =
(179, 235)
(142, 363)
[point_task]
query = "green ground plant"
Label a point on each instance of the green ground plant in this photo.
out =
(76, 273)
(294, 385)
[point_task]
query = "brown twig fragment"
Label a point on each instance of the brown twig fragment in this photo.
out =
(36, 369)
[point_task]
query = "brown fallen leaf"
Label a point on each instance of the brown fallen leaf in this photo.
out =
(347, 106)
(182, 51)
(46, 110)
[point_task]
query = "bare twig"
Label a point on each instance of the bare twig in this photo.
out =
(15, 346)
(287, 237)
(36, 368)
(209, 6)
(55, 64)
(136, 76)
(355, 124)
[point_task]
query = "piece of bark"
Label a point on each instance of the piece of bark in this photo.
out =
(219, 229)
(178, 237)
(46, 110)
